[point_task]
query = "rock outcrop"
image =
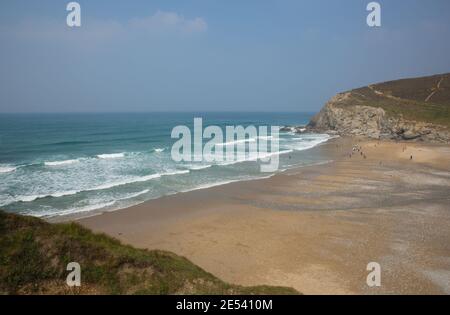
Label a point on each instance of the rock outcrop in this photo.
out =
(378, 114)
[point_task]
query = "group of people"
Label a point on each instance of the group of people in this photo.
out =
(357, 149)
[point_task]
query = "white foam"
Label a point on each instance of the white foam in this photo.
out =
(265, 137)
(36, 197)
(175, 173)
(64, 193)
(206, 186)
(159, 150)
(73, 210)
(125, 181)
(135, 195)
(236, 142)
(211, 185)
(59, 163)
(111, 156)
(308, 142)
(87, 208)
(254, 157)
(198, 167)
(7, 169)
(269, 154)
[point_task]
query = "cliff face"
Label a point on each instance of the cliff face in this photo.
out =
(378, 112)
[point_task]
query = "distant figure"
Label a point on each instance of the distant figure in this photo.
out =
(410, 157)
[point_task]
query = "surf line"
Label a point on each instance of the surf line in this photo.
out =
(236, 137)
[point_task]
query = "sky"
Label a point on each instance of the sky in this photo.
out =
(210, 55)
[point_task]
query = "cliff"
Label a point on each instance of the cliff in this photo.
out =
(408, 109)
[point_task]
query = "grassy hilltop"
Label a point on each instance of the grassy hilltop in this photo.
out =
(420, 99)
(34, 255)
(408, 109)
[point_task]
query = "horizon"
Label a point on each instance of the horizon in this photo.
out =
(163, 112)
(195, 111)
(208, 57)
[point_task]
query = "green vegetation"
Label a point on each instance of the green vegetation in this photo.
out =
(424, 99)
(34, 255)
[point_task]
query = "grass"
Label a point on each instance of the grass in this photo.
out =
(34, 255)
(406, 98)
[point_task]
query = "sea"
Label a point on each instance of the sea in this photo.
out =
(74, 164)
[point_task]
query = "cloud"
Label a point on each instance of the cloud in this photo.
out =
(96, 30)
(169, 21)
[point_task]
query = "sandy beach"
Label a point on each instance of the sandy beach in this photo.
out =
(313, 228)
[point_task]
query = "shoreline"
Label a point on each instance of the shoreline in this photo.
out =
(91, 213)
(298, 228)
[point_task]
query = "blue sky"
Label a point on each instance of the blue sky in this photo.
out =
(210, 55)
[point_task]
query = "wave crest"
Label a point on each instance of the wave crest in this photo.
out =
(125, 181)
(7, 169)
(111, 156)
(59, 163)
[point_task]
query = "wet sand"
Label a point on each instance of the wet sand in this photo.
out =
(313, 228)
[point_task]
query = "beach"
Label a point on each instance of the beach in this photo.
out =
(313, 228)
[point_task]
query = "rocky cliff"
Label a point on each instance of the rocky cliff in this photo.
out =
(409, 109)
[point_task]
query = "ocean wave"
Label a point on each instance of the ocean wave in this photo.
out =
(136, 179)
(269, 154)
(111, 156)
(236, 142)
(181, 172)
(72, 211)
(126, 181)
(87, 208)
(7, 169)
(265, 137)
(134, 195)
(123, 182)
(255, 157)
(211, 185)
(198, 167)
(159, 150)
(31, 198)
(306, 145)
(59, 163)
(221, 183)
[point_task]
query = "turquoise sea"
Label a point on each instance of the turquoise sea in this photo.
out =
(58, 164)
